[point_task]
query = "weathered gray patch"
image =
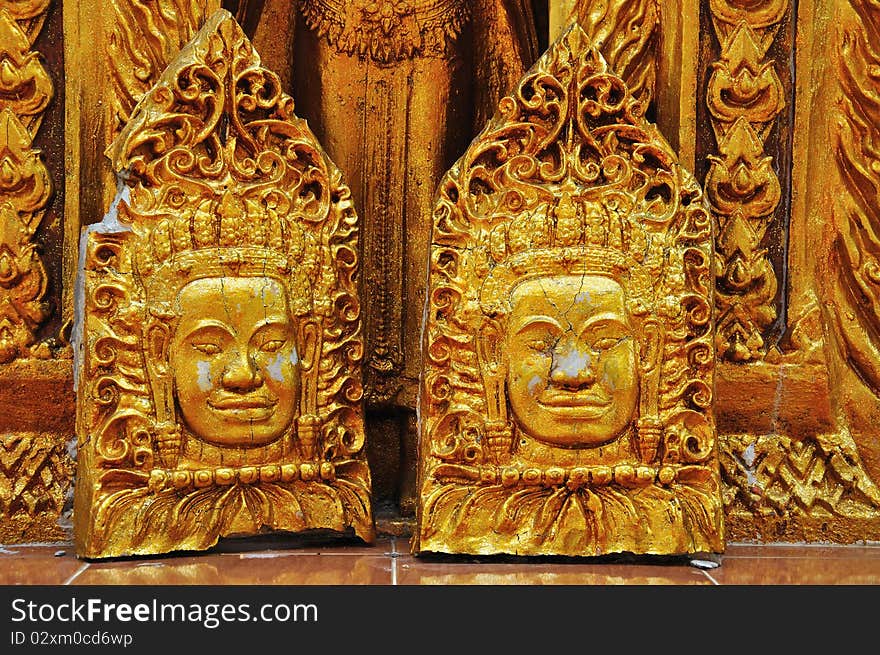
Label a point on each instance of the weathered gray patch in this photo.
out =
(533, 384)
(204, 375)
(572, 362)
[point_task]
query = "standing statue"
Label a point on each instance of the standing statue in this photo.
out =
(395, 90)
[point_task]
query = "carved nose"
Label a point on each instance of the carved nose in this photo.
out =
(242, 373)
(573, 367)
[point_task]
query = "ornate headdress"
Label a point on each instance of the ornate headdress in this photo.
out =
(570, 237)
(225, 180)
(227, 237)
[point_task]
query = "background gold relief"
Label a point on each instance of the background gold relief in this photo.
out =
(796, 420)
(35, 397)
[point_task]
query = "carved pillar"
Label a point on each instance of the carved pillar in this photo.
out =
(678, 56)
(800, 460)
(35, 401)
(744, 98)
(853, 290)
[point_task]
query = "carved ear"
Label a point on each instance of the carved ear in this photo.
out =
(157, 342)
(309, 334)
(489, 342)
(652, 345)
(156, 345)
(489, 345)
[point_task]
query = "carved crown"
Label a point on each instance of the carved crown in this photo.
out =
(225, 179)
(574, 236)
(227, 237)
(569, 178)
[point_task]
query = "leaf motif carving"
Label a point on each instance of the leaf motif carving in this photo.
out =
(744, 97)
(25, 186)
(858, 160)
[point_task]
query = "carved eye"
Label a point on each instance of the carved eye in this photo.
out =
(273, 345)
(207, 348)
(606, 343)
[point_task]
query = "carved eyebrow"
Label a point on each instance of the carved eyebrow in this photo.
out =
(606, 318)
(271, 329)
(539, 320)
(209, 325)
(273, 321)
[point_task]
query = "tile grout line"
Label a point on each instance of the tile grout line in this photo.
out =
(77, 574)
(713, 580)
(393, 561)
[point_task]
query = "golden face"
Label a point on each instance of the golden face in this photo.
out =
(234, 361)
(572, 369)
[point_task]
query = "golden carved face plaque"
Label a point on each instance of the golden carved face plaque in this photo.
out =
(566, 402)
(219, 388)
(572, 377)
(234, 361)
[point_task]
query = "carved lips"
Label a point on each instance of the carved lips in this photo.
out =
(244, 408)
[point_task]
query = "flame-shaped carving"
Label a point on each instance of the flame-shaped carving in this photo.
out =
(25, 187)
(25, 87)
(857, 135)
(626, 33)
(744, 98)
(759, 14)
(146, 36)
(742, 84)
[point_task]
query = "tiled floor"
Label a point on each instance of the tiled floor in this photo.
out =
(388, 562)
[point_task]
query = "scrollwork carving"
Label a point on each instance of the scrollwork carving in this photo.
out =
(568, 191)
(233, 204)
